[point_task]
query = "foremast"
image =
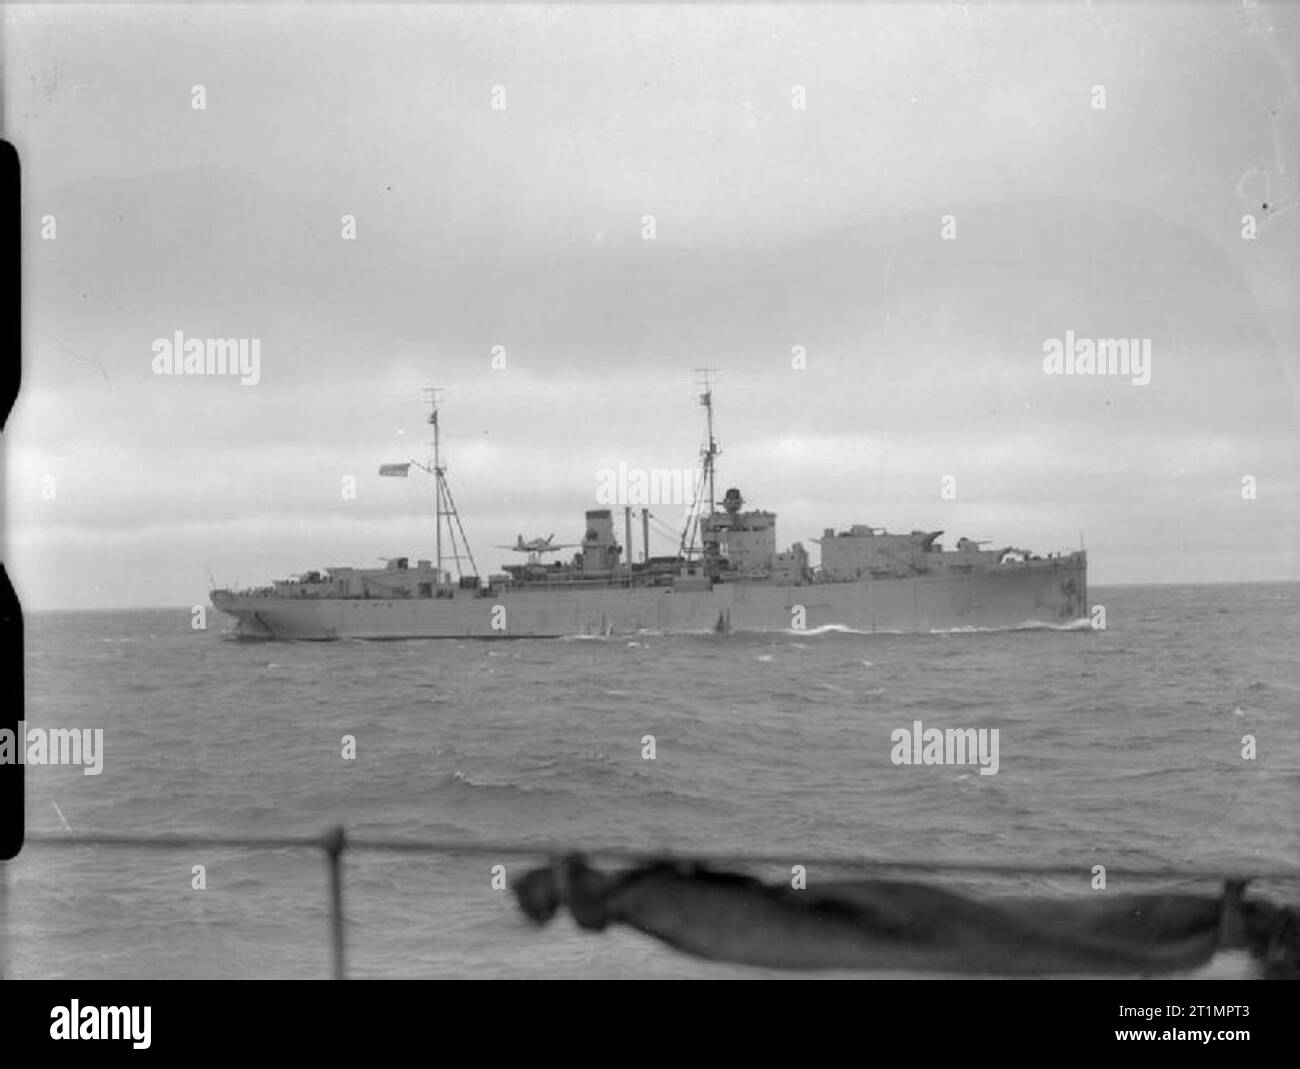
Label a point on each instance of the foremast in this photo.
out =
(445, 513)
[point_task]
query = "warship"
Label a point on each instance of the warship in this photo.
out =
(727, 575)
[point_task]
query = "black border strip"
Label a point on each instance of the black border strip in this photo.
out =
(11, 613)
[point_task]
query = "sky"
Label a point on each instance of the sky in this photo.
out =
(950, 197)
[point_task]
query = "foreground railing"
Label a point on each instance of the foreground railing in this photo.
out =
(335, 842)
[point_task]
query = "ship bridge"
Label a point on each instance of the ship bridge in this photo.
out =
(744, 542)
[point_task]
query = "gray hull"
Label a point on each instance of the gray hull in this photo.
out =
(1039, 593)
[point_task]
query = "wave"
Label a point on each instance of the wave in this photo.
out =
(1081, 624)
(835, 629)
(461, 779)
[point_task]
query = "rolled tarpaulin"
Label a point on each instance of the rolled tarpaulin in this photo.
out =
(886, 925)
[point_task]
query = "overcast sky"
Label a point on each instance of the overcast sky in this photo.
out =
(775, 227)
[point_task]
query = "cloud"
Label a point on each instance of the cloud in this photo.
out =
(521, 229)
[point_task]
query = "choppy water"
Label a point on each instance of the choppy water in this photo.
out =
(1120, 747)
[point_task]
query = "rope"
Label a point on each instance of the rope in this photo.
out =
(333, 844)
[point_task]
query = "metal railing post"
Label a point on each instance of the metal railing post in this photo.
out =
(334, 844)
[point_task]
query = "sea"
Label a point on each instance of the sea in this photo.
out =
(1120, 747)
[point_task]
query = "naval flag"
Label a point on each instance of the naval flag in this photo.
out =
(398, 470)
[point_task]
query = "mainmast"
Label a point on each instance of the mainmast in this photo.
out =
(707, 457)
(437, 475)
(706, 399)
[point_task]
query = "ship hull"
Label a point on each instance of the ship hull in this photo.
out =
(1041, 593)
